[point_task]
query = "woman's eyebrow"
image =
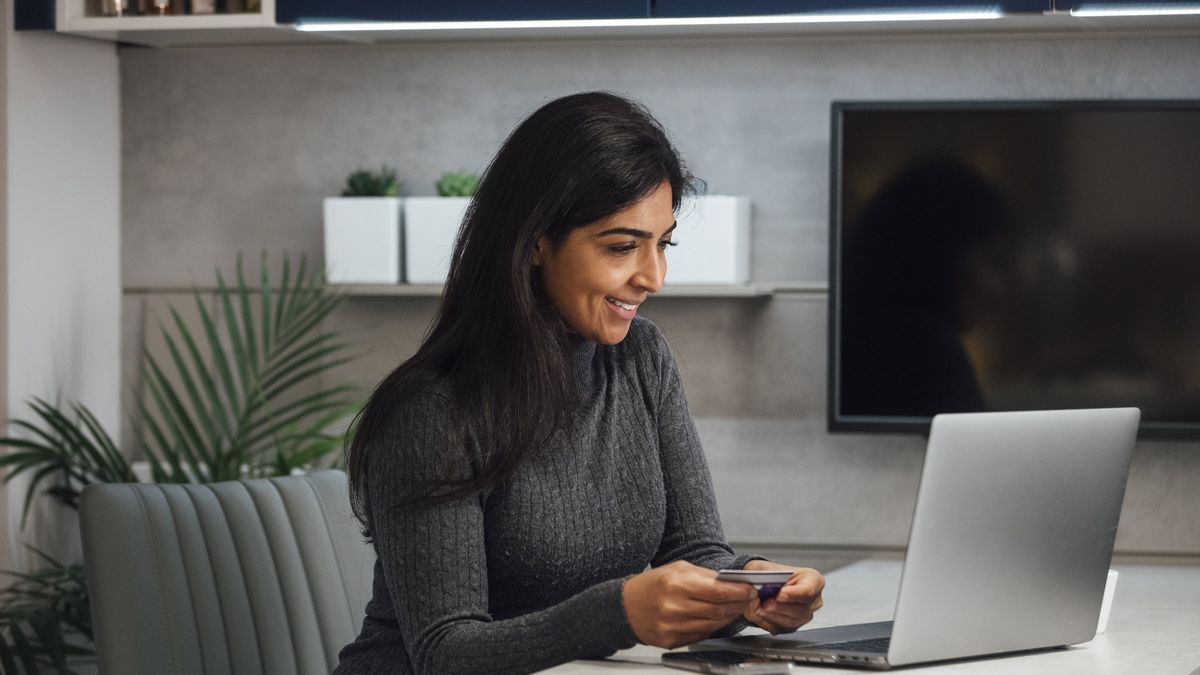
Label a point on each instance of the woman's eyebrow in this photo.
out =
(640, 234)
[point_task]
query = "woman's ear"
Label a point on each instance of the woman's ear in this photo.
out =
(541, 245)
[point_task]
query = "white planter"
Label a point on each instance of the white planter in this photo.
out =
(362, 240)
(430, 226)
(714, 242)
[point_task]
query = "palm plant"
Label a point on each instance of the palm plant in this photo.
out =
(71, 452)
(44, 615)
(238, 406)
(39, 616)
(239, 395)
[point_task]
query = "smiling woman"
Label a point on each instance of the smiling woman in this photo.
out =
(521, 471)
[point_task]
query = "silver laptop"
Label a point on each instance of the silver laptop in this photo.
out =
(1010, 546)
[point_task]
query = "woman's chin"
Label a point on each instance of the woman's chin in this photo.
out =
(610, 335)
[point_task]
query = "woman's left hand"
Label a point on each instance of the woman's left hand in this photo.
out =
(796, 602)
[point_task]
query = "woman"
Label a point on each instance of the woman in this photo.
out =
(520, 472)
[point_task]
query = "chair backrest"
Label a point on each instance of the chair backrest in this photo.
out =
(265, 576)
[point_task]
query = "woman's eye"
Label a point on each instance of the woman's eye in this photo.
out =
(622, 248)
(667, 242)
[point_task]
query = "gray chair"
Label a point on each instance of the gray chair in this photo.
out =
(255, 576)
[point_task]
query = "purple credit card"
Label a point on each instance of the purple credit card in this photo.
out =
(768, 591)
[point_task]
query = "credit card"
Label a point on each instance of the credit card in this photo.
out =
(767, 582)
(754, 576)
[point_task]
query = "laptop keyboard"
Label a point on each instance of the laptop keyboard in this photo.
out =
(872, 645)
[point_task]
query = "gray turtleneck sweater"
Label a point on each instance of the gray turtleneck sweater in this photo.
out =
(529, 575)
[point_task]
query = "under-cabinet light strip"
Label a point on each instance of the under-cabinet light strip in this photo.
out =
(1129, 10)
(659, 22)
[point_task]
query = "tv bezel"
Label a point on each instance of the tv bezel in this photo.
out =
(920, 425)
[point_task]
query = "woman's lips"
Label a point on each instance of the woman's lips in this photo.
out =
(625, 310)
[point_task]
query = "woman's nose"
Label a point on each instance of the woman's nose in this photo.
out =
(651, 271)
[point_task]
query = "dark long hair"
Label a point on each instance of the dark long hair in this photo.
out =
(496, 340)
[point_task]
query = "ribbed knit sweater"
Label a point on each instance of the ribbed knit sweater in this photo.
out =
(530, 575)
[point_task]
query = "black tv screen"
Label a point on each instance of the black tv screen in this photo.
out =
(1014, 256)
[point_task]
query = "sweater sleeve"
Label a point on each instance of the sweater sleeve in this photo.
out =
(435, 566)
(693, 530)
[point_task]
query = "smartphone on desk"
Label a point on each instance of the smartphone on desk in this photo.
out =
(725, 662)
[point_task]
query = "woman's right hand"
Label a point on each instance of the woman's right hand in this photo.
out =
(679, 603)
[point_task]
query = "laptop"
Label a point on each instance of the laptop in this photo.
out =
(1011, 541)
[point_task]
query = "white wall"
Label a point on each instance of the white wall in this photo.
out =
(63, 245)
(5, 558)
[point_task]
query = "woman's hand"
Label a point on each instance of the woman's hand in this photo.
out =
(679, 603)
(795, 604)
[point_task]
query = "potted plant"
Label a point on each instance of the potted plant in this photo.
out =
(245, 393)
(362, 229)
(431, 224)
(715, 234)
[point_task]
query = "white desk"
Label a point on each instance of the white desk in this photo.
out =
(1154, 627)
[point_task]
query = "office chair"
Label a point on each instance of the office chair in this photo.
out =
(266, 576)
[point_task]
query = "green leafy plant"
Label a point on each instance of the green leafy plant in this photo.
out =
(457, 184)
(44, 618)
(368, 183)
(70, 452)
(247, 400)
(238, 394)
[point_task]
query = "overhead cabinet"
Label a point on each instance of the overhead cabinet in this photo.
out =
(715, 8)
(216, 22)
(301, 11)
(711, 8)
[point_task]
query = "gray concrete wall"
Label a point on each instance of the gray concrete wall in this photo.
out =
(232, 149)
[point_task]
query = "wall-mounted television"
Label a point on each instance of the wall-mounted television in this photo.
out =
(1014, 256)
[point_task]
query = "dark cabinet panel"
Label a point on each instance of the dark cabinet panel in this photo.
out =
(33, 14)
(686, 8)
(293, 11)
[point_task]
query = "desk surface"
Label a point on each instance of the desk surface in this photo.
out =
(1154, 627)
